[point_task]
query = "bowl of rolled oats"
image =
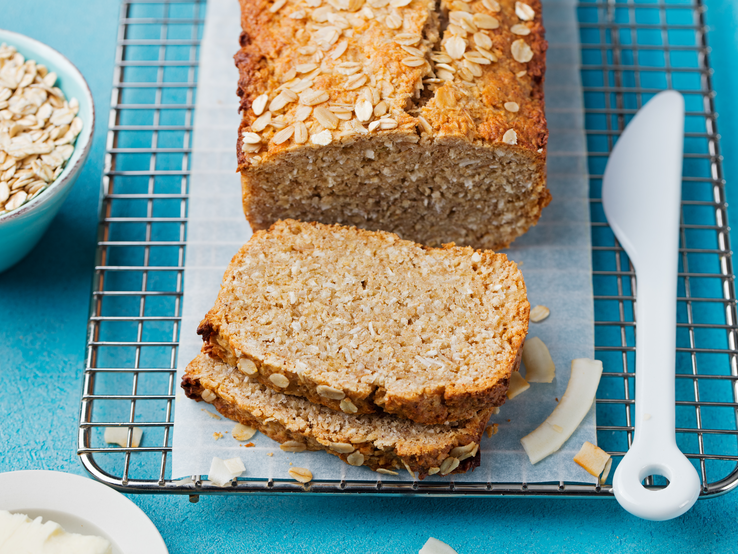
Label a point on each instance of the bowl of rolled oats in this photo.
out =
(47, 118)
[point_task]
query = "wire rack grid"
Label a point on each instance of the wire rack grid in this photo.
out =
(630, 50)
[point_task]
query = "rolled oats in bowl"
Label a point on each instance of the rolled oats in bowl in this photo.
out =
(38, 129)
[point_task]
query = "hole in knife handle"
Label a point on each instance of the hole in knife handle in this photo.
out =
(655, 476)
(654, 480)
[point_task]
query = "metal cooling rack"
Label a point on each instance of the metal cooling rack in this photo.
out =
(630, 51)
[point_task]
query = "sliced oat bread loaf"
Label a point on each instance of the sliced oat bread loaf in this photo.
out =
(361, 321)
(377, 441)
(418, 117)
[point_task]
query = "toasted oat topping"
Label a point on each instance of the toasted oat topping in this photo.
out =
(330, 392)
(260, 124)
(464, 452)
(260, 104)
(484, 21)
(279, 380)
(521, 52)
(520, 29)
(539, 313)
(326, 118)
(330, 65)
(448, 465)
(524, 11)
(510, 137)
(355, 459)
(250, 138)
(247, 366)
(242, 432)
(323, 138)
(342, 447)
(348, 406)
(300, 474)
(284, 135)
(293, 446)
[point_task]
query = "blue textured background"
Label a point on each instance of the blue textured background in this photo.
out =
(43, 312)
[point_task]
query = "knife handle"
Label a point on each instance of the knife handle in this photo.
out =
(654, 450)
(641, 194)
(656, 346)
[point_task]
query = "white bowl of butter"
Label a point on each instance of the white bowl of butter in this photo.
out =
(20, 533)
(79, 505)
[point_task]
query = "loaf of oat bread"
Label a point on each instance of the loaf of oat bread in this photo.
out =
(367, 113)
(362, 321)
(380, 442)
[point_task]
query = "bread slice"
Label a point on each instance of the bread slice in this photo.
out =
(361, 321)
(376, 441)
(418, 117)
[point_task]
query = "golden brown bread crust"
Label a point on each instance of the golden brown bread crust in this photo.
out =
(464, 109)
(270, 49)
(465, 382)
(382, 441)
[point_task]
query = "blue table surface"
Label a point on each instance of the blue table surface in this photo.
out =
(43, 314)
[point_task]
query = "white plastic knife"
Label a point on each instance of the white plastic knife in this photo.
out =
(641, 195)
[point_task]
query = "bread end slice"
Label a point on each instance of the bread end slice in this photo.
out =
(374, 440)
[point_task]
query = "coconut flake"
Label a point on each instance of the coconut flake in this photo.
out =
(539, 367)
(242, 432)
(568, 414)
(593, 459)
(606, 471)
(434, 546)
(119, 436)
(223, 472)
(517, 385)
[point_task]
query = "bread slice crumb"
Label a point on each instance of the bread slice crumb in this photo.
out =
(363, 322)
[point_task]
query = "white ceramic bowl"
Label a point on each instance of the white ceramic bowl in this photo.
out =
(21, 229)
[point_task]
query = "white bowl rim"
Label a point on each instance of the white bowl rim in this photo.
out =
(71, 169)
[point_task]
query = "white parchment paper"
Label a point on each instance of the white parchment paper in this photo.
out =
(554, 256)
